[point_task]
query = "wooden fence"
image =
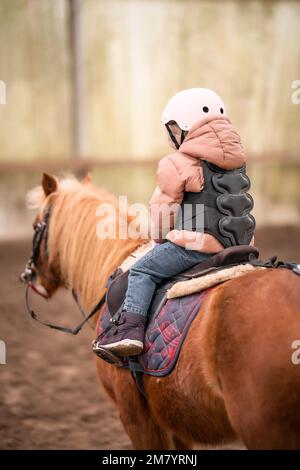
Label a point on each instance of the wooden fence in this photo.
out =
(90, 77)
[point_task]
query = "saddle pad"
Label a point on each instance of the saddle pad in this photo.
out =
(197, 284)
(165, 334)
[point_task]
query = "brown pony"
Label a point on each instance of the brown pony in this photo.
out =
(235, 378)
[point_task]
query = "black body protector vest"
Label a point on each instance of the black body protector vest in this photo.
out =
(227, 205)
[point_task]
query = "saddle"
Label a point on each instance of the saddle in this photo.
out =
(169, 320)
(228, 257)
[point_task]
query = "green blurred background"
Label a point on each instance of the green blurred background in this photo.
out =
(86, 81)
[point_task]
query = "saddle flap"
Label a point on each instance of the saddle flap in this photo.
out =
(116, 293)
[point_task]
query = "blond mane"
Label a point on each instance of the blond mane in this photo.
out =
(85, 261)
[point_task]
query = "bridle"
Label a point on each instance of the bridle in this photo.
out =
(40, 229)
(27, 277)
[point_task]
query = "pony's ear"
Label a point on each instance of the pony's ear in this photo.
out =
(49, 184)
(87, 179)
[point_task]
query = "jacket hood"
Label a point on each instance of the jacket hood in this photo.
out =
(215, 139)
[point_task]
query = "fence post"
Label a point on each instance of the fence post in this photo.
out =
(78, 85)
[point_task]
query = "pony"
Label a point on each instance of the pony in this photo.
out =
(235, 378)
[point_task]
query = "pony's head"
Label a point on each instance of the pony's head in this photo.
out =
(66, 251)
(41, 273)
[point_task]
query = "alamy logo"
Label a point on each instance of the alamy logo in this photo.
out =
(296, 94)
(133, 221)
(296, 354)
(2, 92)
(2, 352)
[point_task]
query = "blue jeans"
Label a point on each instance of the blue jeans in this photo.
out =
(163, 261)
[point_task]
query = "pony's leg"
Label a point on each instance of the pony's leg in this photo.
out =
(259, 382)
(268, 420)
(180, 444)
(146, 434)
(136, 417)
(140, 425)
(149, 435)
(266, 434)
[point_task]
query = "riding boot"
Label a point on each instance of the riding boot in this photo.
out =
(126, 337)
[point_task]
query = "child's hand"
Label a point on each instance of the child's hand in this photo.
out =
(186, 239)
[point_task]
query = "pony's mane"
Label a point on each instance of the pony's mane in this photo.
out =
(85, 261)
(35, 198)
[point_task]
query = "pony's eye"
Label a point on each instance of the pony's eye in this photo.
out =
(205, 109)
(221, 110)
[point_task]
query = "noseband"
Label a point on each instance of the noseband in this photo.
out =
(27, 277)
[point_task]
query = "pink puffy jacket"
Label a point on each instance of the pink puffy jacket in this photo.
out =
(213, 139)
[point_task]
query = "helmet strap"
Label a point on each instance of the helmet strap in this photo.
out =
(172, 136)
(183, 134)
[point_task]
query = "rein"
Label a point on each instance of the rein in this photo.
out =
(64, 329)
(40, 233)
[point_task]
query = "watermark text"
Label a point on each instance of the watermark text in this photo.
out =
(2, 352)
(295, 97)
(295, 358)
(2, 92)
(180, 223)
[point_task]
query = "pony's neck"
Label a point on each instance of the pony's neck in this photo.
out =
(85, 261)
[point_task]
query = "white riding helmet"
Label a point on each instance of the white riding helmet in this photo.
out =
(189, 106)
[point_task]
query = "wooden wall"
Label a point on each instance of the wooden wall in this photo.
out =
(137, 53)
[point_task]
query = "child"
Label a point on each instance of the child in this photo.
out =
(205, 145)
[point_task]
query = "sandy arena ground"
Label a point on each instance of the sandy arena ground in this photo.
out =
(49, 394)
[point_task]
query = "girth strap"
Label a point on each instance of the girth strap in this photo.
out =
(137, 373)
(273, 263)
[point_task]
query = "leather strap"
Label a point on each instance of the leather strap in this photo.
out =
(64, 329)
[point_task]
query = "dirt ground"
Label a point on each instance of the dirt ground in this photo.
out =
(49, 394)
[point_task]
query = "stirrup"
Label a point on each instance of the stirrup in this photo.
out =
(107, 355)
